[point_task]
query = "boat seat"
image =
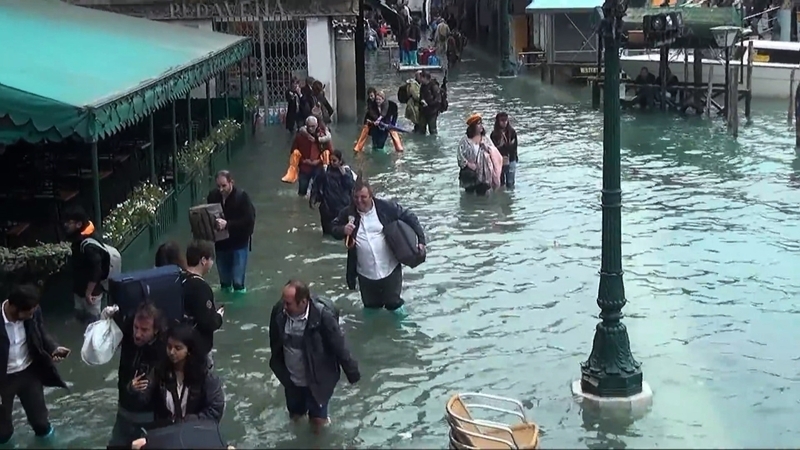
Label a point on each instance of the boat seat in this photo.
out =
(474, 434)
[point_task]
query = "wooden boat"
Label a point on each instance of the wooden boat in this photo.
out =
(471, 433)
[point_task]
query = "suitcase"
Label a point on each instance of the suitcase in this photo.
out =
(404, 243)
(161, 286)
(196, 434)
(203, 220)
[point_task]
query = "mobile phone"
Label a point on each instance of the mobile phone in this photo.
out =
(64, 354)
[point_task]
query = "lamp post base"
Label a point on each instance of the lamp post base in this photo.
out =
(636, 405)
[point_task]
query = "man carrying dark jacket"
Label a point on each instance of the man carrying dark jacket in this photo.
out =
(308, 348)
(240, 220)
(27, 353)
(141, 352)
(90, 265)
(369, 258)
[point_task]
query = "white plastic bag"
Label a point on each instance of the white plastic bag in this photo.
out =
(100, 342)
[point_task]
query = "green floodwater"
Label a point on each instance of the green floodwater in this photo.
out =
(506, 302)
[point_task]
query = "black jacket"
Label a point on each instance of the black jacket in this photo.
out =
(200, 309)
(89, 265)
(206, 399)
(133, 359)
(333, 190)
(431, 92)
(324, 348)
(241, 217)
(372, 112)
(388, 212)
(510, 147)
(40, 347)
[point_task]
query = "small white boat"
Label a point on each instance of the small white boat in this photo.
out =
(773, 64)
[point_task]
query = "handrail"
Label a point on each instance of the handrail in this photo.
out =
(493, 397)
(518, 414)
(510, 444)
(768, 10)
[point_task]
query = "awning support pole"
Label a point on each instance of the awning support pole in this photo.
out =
(98, 213)
(151, 152)
(226, 75)
(189, 137)
(263, 48)
(208, 106)
(241, 90)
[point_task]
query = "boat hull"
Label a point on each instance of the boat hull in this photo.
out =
(769, 80)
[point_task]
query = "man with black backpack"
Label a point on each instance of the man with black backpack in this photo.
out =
(430, 95)
(92, 263)
(198, 298)
(308, 372)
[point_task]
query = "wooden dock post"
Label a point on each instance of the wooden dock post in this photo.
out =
(710, 89)
(733, 102)
(748, 99)
(596, 92)
(663, 65)
(796, 119)
(790, 112)
(697, 65)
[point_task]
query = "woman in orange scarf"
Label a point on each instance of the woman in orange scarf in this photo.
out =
(479, 161)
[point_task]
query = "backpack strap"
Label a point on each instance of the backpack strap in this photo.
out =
(92, 241)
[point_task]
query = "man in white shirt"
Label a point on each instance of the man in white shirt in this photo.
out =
(29, 353)
(370, 260)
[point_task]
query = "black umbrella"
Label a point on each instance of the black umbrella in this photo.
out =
(389, 15)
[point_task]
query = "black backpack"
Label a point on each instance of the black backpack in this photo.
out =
(326, 303)
(402, 94)
(444, 104)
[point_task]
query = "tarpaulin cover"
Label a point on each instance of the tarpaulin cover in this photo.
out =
(74, 71)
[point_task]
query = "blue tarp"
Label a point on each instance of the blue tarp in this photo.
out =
(562, 6)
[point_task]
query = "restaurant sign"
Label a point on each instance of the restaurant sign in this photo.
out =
(225, 9)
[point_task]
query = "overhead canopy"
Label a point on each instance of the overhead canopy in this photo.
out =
(74, 71)
(562, 6)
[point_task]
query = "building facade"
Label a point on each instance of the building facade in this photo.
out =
(290, 38)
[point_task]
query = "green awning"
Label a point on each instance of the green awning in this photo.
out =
(73, 71)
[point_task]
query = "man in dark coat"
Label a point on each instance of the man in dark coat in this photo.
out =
(308, 350)
(369, 258)
(240, 220)
(28, 354)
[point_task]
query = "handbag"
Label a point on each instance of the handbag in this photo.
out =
(467, 175)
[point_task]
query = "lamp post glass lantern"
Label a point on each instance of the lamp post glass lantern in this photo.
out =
(611, 372)
(725, 37)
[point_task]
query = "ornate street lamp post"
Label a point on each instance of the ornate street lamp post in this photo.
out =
(611, 372)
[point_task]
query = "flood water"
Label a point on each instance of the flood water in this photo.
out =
(505, 303)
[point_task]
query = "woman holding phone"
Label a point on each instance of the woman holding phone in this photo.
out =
(187, 388)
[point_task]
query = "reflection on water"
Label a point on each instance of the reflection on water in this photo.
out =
(506, 302)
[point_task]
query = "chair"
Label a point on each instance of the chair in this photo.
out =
(470, 433)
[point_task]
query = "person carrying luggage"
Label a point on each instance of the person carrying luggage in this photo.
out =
(240, 220)
(370, 260)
